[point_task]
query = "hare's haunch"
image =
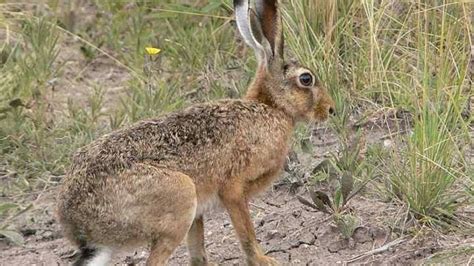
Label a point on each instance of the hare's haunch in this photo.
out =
(151, 183)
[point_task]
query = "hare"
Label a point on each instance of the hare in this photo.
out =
(151, 183)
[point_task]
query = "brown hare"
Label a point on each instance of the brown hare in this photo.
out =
(151, 183)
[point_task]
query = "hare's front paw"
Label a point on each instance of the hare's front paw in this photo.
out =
(263, 261)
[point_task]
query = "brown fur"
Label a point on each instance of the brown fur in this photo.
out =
(152, 182)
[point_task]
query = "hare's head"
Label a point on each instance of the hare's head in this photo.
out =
(284, 85)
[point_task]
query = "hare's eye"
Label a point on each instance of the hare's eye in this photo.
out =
(306, 79)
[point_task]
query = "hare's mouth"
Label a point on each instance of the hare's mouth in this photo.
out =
(321, 114)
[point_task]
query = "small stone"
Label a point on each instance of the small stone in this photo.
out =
(47, 235)
(352, 243)
(28, 232)
(273, 234)
(362, 235)
(387, 143)
(296, 213)
(338, 246)
(379, 235)
(307, 238)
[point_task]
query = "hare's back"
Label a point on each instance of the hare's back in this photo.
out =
(180, 138)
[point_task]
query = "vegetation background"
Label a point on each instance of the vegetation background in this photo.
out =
(72, 70)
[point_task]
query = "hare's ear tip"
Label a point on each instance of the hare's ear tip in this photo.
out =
(238, 2)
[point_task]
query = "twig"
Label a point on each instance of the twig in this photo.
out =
(258, 207)
(6, 222)
(272, 204)
(377, 250)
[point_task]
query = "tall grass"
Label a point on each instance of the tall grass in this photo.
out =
(406, 55)
(434, 153)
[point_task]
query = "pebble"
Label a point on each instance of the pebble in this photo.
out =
(387, 143)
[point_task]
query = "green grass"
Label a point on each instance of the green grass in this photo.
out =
(37, 141)
(371, 55)
(26, 117)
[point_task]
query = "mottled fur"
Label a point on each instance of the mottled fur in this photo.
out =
(151, 182)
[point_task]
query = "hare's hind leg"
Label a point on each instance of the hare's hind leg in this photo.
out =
(167, 204)
(195, 242)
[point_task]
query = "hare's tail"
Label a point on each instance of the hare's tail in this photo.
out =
(93, 256)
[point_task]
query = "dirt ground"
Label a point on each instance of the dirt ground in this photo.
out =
(293, 234)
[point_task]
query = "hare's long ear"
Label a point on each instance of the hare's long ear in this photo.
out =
(251, 30)
(271, 21)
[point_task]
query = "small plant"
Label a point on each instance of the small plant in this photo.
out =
(350, 157)
(340, 171)
(345, 221)
(85, 121)
(5, 231)
(342, 194)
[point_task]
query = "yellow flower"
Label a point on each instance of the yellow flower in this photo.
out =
(152, 50)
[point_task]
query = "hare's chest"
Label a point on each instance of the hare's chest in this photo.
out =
(258, 156)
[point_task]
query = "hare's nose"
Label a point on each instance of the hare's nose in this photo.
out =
(332, 111)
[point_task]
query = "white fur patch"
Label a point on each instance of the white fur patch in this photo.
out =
(102, 257)
(211, 203)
